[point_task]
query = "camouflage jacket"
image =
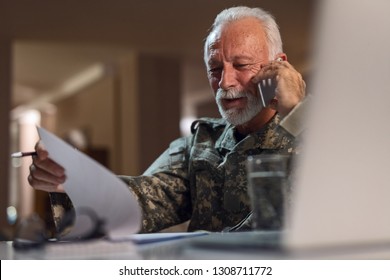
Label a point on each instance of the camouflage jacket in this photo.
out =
(202, 177)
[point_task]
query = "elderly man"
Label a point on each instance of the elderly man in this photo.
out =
(202, 178)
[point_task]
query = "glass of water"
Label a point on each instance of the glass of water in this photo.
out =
(267, 178)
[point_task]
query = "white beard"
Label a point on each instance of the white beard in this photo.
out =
(238, 116)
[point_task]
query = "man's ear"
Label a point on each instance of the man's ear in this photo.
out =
(281, 56)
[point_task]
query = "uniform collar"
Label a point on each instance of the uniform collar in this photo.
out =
(266, 138)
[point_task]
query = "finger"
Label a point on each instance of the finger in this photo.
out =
(44, 176)
(270, 71)
(42, 153)
(44, 186)
(43, 161)
(292, 81)
(275, 67)
(49, 166)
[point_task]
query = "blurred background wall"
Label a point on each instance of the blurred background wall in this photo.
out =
(121, 79)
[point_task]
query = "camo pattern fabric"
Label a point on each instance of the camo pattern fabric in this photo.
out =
(202, 178)
(63, 213)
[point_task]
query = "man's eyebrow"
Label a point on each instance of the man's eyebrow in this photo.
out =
(246, 58)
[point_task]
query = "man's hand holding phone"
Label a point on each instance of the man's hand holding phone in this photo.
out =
(280, 86)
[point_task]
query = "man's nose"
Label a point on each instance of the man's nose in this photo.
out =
(228, 78)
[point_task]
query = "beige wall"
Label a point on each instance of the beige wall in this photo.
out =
(136, 107)
(92, 111)
(160, 98)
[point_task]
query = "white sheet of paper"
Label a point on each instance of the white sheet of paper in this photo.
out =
(145, 238)
(90, 185)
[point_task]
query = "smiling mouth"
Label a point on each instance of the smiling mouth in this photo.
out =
(234, 102)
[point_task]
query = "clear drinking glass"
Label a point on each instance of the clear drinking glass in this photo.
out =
(267, 178)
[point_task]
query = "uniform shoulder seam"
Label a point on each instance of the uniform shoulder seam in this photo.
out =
(211, 122)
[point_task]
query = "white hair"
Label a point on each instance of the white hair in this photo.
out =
(272, 34)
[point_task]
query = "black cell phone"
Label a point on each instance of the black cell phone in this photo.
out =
(266, 91)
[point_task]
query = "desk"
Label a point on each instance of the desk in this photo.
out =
(103, 249)
(187, 248)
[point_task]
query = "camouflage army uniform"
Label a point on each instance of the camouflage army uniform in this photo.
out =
(202, 177)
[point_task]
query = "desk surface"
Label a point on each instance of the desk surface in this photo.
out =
(187, 248)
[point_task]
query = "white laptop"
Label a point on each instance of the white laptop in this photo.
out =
(343, 190)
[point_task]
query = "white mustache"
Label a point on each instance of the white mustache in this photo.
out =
(230, 94)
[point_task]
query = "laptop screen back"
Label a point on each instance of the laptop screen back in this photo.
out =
(342, 194)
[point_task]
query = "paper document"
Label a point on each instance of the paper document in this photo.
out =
(92, 186)
(145, 238)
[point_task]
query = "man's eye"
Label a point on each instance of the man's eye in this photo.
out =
(241, 66)
(215, 69)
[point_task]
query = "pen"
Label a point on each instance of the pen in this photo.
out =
(23, 154)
